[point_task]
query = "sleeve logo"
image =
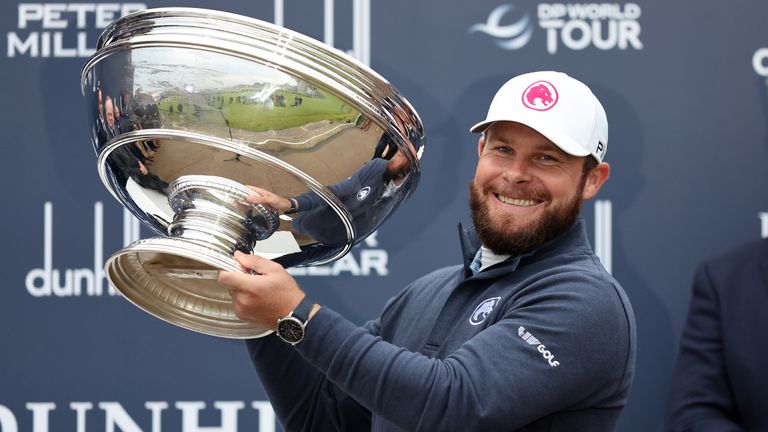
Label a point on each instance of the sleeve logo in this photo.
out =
(533, 340)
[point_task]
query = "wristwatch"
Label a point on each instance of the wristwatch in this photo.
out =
(291, 328)
(294, 208)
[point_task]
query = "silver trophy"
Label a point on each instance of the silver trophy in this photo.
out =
(192, 109)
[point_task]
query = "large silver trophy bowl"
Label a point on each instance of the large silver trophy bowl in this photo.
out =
(189, 109)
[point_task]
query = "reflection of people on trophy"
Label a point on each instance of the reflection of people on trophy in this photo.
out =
(236, 157)
(128, 106)
(128, 165)
(144, 115)
(131, 160)
(146, 111)
(100, 107)
(99, 131)
(123, 123)
(367, 194)
(120, 128)
(109, 113)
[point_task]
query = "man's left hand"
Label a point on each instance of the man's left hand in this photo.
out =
(264, 297)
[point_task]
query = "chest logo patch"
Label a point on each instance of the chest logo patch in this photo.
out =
(362, 193)
(483, 310)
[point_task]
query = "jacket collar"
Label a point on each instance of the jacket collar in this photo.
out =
(573, 239)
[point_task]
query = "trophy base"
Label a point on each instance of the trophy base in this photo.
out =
(175, 279)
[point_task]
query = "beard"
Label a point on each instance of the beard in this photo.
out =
(396, 172)
(508, 235)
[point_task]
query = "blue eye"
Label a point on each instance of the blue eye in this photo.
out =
(547, 158)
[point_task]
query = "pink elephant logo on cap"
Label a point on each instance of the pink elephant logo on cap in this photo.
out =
(539, 92)
(540, 96)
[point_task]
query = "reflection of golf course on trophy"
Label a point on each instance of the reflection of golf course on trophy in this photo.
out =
(313, 131)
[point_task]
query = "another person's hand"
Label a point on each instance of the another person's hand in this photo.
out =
(264, 297)
(143, 168)
(277, 202)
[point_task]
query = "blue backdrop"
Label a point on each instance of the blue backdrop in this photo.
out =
(684, 86)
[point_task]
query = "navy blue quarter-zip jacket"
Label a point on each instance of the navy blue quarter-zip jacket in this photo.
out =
(540, 342)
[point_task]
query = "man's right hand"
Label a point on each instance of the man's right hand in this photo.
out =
(263, 196)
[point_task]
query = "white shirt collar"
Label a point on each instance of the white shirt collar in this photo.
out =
(488, 258)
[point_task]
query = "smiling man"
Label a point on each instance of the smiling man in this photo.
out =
(527, 190)
(530, 333)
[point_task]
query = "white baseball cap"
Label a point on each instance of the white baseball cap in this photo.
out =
(557, 106)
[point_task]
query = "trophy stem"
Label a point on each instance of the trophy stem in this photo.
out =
(213, 211)
(222, 232)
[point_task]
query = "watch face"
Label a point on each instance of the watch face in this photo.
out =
(290, 330)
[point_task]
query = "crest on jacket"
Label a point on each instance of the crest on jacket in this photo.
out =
(362, 193)
(483, 310)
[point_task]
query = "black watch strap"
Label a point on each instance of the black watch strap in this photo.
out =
(294, 206)
(303, 309)
(292, 327)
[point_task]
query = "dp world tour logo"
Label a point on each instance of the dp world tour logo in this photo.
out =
(540, 96)
(574, 26)
(509, 37)
(483, 310)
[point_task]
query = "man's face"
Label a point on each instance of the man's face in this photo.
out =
(110, 112)
(100, 103)
(526, 191)
(398, 167)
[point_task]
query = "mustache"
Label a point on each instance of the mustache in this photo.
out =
(526, 193)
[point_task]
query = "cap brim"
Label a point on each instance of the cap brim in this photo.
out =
(482, 126)
(564, 142)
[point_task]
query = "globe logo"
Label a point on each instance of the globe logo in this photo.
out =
(509, 37)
